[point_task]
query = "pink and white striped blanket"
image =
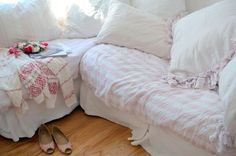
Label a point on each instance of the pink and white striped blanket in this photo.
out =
(42, 79)
(132, 81)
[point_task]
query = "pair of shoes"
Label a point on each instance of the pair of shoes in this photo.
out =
(46, 140)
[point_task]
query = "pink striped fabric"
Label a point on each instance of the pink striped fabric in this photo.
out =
(132, 81)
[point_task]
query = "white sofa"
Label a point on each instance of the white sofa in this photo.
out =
(126, 86)
(15, 125)
(34, 20)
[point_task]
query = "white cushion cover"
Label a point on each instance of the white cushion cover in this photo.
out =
(200, 42)
(162, 8)
(85, 19)
(27, 20)
(133, 28)
(227, 92)
(80, 25)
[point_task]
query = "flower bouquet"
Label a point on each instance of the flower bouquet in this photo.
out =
(27, 48)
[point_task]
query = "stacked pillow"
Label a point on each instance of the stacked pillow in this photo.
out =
(27, 20)
(134, 28)
(201, 41)
(86, 17)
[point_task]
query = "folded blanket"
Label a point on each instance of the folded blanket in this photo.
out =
(41, 78)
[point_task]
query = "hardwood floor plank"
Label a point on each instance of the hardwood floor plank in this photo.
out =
(90, 136)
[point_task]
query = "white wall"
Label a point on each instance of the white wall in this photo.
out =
(193, 5)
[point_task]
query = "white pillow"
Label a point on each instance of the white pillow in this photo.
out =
(200, 42)
(27, 20)
(162, 8)
(85, 19)
(227, 92)
(129, 27)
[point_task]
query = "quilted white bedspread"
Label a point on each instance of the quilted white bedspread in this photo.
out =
(131, 81)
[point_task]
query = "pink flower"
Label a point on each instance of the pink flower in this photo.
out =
(13, 51)
(28, 49)
(44, 43)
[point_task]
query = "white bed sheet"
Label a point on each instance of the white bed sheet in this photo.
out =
(16, 125)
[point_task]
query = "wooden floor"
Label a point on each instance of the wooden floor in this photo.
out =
(90, 136)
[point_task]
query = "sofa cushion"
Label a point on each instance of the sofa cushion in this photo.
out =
(131, 81)
(133, 28)
(85, 19)
(201, 41)
(227, 92)
(27, 20)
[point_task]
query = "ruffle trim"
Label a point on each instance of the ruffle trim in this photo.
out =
(170, 22)
(205, 80)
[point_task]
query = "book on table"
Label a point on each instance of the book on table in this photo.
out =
(52, 51)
